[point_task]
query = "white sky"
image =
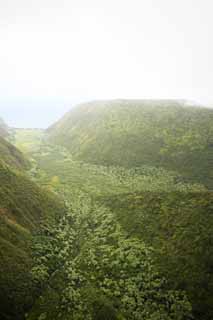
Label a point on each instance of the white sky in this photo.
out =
(76, 50)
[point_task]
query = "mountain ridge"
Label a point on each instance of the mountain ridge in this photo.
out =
(131, 133)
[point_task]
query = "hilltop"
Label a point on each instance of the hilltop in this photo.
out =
(170, 134)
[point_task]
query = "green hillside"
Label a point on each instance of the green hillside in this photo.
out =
(57, 169)
(27, 140)
(131, 133)
(23, 208)
(173, 217)
(12, 156)
(94, 271)
(138, 214)
(136, 240)
(8, 153)
(179, 227)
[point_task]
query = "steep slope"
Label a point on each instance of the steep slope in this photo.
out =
(12, 156)
(23, 207)
(169, 134)
(9, 153)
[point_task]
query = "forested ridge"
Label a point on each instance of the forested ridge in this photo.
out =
(169, 134)
(115, 203)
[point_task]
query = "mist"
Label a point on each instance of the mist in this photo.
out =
(33, 113)
(106, 159)
(58, 53)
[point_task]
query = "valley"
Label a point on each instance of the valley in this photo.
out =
(111, 212)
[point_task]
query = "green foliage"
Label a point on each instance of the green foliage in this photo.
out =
(99, 180)
(93, 271)
(28, 140)
(158, 156)
(135, 133)
(23, 206)
(12, 156)
(179, 226)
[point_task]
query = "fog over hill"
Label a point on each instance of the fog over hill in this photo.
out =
(41, 113)
(106, 160)
(3, 128)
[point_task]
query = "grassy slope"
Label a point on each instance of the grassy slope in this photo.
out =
(12, 156)
(134, 133)
(23, 205)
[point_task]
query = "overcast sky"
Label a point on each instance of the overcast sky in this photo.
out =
(55, 53)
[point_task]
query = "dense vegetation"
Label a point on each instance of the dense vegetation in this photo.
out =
(23, 208)
(59, 169)
(168, 134)
(179, 227)
(135, 240)
(90, 270)
(141, 215)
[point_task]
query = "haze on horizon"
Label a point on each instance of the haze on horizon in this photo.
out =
(56, 53)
